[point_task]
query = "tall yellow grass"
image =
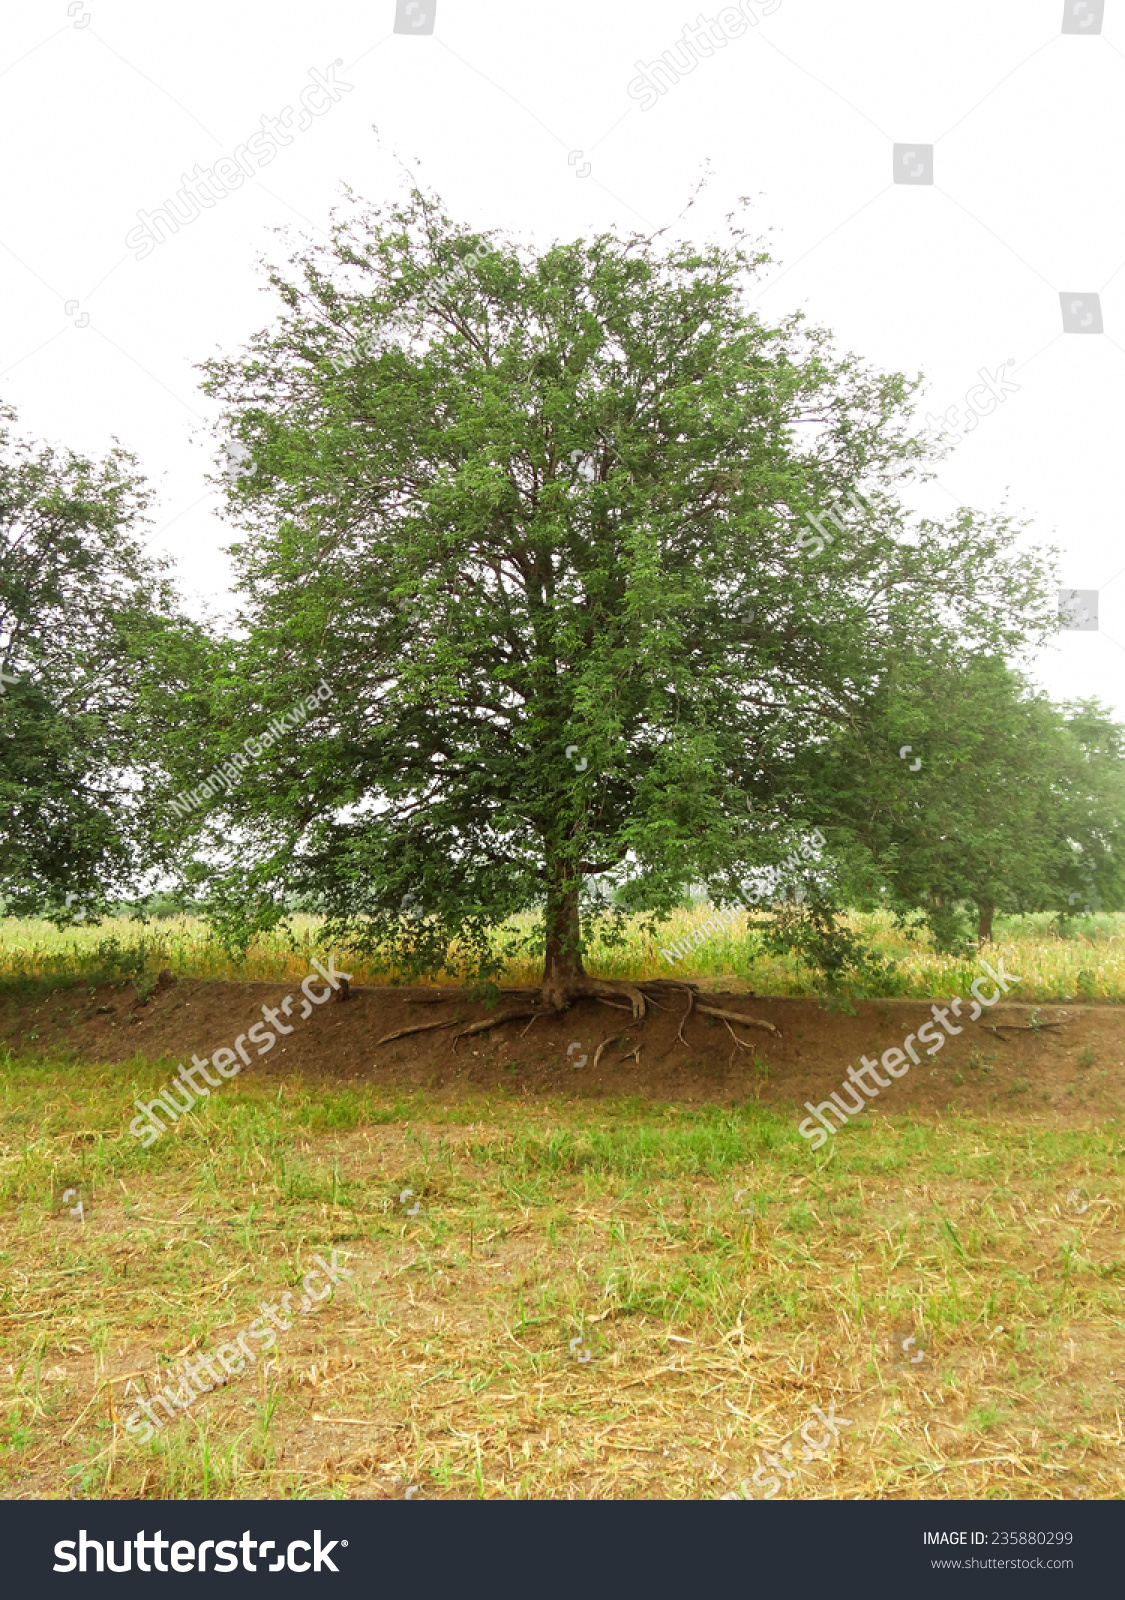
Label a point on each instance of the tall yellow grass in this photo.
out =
(1088, 963)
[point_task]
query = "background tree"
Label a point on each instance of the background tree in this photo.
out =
(1016, 805)
(536, 518)
(79, 602)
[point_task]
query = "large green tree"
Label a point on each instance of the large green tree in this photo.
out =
(540, 519)
(79, 604)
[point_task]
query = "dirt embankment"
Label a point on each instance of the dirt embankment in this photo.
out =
(1062, 1062)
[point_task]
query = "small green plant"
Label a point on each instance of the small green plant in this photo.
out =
(266, 1410)
(1086, 1056)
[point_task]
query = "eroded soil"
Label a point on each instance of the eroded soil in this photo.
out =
(1060, 1062)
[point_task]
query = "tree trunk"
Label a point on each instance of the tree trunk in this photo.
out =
(563, 971)
(984, 922)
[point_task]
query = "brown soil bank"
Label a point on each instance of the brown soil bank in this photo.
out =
(1062, 1063)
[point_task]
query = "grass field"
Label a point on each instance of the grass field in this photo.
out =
(608, 1300)
(1087, 962)
(558, 1297)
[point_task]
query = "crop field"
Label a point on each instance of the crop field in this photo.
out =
(1084, 959)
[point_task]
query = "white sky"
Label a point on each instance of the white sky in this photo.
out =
(106, 104)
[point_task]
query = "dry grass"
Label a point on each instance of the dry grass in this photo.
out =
(1087, 963)
(452, 1366)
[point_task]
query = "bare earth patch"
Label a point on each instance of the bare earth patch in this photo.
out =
(1063, 1062)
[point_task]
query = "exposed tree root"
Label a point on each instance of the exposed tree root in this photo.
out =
(416, 1027)
(610, 991)
(736, 1016)
(494, 1022)
(686, 1015)
(619, 995)
(475, 1027)
(613, 1038)
(736, 1039)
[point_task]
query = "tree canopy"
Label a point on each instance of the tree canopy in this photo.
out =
(957, 785)
(542, 521)
(80, 602)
